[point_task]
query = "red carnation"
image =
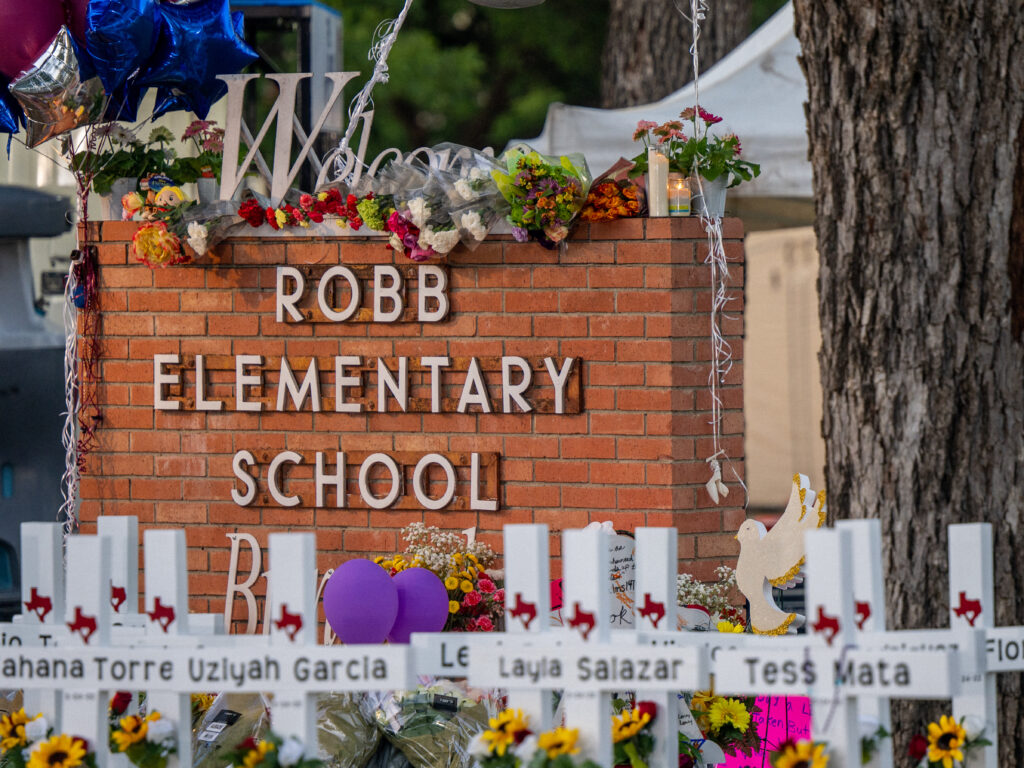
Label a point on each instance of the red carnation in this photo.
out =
(918, 747)
(272, 218)
(251, 211)
(248, 745)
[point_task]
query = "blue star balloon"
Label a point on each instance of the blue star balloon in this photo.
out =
(124, 101)
(10, 112)
(196, 42)
(119, 37)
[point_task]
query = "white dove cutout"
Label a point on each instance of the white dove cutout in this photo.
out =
(774, 558)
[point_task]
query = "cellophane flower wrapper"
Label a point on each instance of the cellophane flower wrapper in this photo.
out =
(254, 720)
(546, 193)
(476, 203)
(432, 725)
(433, 213)
(347, 737)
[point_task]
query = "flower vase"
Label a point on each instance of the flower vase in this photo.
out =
(708, 198)
(110, 205)
(207, 189)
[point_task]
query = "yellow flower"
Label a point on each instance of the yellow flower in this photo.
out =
(729, 712)
(561, 741)
(379, 559)
(628, 724)
(322, 196)
(944, 741)
(728, 626)
(255, 756)
(466, 585)
(281, 216)
(61, 751)
(133, 729)
(202, 701)
(703, 700)
(802, 754)
(12, 730)
(451, 583)
(453, 606)
(505, 730)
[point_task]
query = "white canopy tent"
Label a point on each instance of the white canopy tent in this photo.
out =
(760, 92)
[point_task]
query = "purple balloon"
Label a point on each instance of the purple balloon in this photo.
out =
(76, 16)
(422, 604)
(29, 26)
(360, 602)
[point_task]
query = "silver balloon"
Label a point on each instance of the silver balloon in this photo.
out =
(53, 95)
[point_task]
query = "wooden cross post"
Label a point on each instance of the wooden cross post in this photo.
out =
(655, 608)
(87, 613)
(528, 609)
(166, 563)
(869, 610)
(972, 606)
(292, 607)
(42, 598)
(123, 532)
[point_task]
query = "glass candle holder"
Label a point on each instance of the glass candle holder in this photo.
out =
(678, 195)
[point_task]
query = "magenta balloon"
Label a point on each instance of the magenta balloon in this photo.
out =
(76, 11)
(422, 604)
(360, 602)
(28, 27)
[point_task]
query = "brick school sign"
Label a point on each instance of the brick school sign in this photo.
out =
(305, 383)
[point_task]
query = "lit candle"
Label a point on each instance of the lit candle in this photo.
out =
(678, 195)
(657, 183)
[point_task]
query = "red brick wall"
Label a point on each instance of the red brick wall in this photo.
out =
(630, 299)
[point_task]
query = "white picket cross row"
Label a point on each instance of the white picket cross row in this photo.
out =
(42, 598)
(123, 532)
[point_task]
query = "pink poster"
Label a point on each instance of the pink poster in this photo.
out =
(780, 718)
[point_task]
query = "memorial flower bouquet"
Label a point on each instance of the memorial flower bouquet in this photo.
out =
(948, 742)
(509, 743)
(611, 200)
(147, 741)
(694, 150)
(632, 739)
(714, 597)
(475, 202)
(272, 752)
(726, 720)
(208, 140)
(29, 742)
(546, 194)
(800, 754)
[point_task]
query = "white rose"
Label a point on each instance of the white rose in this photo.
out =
(418, 211)
(37, 729)
(463, 190)
(161, 731)
(974, 726)
(197, 237)
(290, 753)
(478, 174)
(478, 746)
(474, 224)
(445, 240)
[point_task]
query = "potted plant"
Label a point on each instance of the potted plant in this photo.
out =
(713, 162)
(204, 169)
(114, 159)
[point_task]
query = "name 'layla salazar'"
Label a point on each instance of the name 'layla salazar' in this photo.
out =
(392, 381)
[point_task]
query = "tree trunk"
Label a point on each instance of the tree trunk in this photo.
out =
(915, 133)
(647, 51)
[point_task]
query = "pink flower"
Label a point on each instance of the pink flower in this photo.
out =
(688, 113)
(306, 201)
(471, 599)
(485, 585)
(484, 624)
(499, 596)
(643, 127)
(707, 117)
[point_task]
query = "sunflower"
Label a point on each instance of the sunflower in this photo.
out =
(133, 729)
(255, 755)
(561, 741)
(61, 751)
(508, 728)
(729, 712)
(628, 724)
(12, 730)
(728, 626)
(801, 754)
(944, 741)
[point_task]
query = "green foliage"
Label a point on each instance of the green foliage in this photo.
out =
(474, 75)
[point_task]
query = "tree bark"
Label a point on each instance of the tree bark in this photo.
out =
(915, 129)
(647, 51)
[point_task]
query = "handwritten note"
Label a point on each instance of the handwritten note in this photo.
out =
(623, 580)
(780, 718)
